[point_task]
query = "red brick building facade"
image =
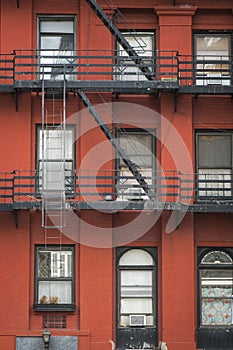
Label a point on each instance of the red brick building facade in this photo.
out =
(116, 174)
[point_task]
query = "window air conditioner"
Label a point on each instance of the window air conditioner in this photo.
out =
(135, 194)
(216, 81)
(137, 320)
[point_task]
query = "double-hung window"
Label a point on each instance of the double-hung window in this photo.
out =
(213, 62)
(139, 147)
(56, 43)
(56, 158)
(54, 277)
(143, 45)
(214, 164)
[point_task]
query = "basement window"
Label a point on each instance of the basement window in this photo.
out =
(54, 278)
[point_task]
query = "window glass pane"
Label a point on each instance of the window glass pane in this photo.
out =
(143, 44)
(54, 264)
(136, 278)
(216, 277)
(54, 141)
(54, 292)
(216, 312)
(139, 305)
(214, 151)
(136, 283)
(50, 43)
(216, 257)
(138, 147)
(213, 45)
(136, 257)
(56, 26)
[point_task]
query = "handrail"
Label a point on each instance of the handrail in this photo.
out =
(90, 65)
(168, 186)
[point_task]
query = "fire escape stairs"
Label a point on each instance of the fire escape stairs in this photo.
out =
(120, 38)
(131, 166)
(146, 72)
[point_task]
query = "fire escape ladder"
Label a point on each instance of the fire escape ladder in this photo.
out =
(52, 172)
(120, 38)
(131, 165)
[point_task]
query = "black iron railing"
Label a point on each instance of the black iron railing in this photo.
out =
(107, 185)
(166, 66)
(92, 65)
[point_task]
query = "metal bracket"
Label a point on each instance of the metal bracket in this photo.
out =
(15, 212)
(16, 100)
(176, 94)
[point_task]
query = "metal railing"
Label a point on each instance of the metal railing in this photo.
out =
(107, 185)
(92, 65)
(205, 70)
(33, 65)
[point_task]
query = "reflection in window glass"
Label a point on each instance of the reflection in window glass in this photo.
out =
(56, 44)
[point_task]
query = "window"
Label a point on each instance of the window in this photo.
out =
(136, 288)
(57, 45)
(213, 53)
(214, 164)
(139, 146)
(216, 284)
(215, 298)
(56, 157)
(143, 44)
(54, 282)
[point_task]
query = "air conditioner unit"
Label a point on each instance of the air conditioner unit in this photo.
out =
(216, 81)
(135, 194)
(137, 320)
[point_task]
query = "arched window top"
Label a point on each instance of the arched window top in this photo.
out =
(217, 257)
(136, 257)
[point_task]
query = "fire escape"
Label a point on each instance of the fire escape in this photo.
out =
(168, 72)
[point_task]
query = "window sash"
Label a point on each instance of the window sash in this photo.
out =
(56, 292)
(214, 164)
(143, 44)
(59, 158)
(213, 56)
(136, 306)
(140, 149)
(54, 276)
(57, 48)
